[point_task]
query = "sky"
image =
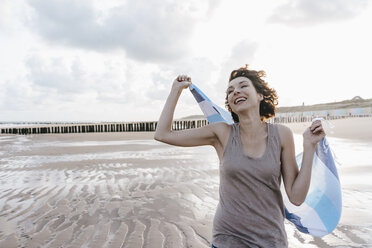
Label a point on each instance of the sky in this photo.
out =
(115, 60)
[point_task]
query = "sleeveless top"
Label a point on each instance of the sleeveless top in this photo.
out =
(250, 212)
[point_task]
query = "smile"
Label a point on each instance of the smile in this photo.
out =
(239, 100)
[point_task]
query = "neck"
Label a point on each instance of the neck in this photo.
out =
(251, 124)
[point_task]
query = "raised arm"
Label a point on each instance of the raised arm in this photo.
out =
(206, 135)
(297, 182)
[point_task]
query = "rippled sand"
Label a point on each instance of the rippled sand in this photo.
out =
(126, 190)
(91, 192)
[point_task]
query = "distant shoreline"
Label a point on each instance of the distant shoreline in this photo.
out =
(348, 128)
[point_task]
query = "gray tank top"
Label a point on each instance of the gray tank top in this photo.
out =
(250, 212)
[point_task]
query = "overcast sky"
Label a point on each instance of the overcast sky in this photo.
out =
(65, 60)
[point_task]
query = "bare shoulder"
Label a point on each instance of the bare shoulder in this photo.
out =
(283, 129)
(220, 128)
(221, 131)
(285, 133)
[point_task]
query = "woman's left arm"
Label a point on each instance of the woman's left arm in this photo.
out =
(297, 182)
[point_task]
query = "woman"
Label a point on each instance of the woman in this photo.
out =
(254, 156)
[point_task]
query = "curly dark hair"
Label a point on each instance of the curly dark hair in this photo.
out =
(270, 98)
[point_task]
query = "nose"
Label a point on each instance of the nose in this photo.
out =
(236, 91)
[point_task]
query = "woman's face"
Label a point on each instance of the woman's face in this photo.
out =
(242, 95)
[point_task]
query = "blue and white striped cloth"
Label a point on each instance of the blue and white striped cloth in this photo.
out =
(321, 211)
(211, 111)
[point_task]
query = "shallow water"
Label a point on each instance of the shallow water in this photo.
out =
(140, 192)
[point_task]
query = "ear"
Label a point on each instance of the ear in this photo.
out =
(260, 97)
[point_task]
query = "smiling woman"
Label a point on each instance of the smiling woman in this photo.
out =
(270, 98)
(254, 156)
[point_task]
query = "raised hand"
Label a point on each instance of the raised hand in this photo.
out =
(314, 133)
(181, 82)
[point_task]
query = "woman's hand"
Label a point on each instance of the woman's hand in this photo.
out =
(297, 182)
(181, 82)
(313, 134)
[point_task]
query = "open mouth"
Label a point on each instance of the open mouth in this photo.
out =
(239, 100)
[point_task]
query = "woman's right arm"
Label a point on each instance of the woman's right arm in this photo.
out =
(205, 135)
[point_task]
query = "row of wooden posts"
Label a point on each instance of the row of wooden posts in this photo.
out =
(139, 126)
(98, 128)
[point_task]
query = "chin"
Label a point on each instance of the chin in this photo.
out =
(241, 107)
(244, 108)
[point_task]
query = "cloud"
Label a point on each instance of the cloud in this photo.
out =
(307, 13)
(208, 75)
(57, 75)
(58, 87)
(60, 80)
(13, 15)
(242, 53)
(161, 85)
(5, 14)
(11, 97)
(200, 69)
(154, 30)
(18, 96)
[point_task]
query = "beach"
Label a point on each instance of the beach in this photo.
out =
(128, 190)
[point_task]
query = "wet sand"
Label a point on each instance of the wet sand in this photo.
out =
(104, 190)
(127, 190)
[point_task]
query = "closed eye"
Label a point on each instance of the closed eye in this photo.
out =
(242, 85)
